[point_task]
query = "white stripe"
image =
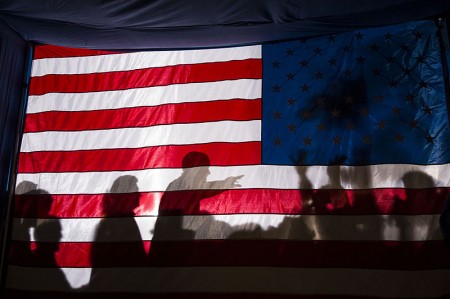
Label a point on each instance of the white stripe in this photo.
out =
(254, 177)
(151, 96)
(242, 226)
(271, 280)
(176, 134)
(139, 60)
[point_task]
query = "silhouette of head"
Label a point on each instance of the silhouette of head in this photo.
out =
(123, 198)
(26, 187)
(191, 163)
(48, 231)
(194, 159)
(45, 202)
(414, 179)
(37, 199)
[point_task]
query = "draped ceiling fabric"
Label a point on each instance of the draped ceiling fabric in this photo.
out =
(138, 24)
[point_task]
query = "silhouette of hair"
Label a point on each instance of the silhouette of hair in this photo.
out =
(26, 187)
(125, 184)
(123, 198)
(194, 159)
(28, 190)
(38, 200)
(48, 230)
(45, 201)
(48, 235)
(413, 179)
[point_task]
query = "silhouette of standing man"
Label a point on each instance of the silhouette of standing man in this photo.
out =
(118, 224)
(183, 195)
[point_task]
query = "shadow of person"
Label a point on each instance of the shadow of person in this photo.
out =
(329, 199)
(287, 243)
(34, 203)
(48, 236)
(118, 223)
(183, 195)
(307, 204)
(295, 227)
(181, 201)
(38, 223)
(364, 202)
(25, 187)
(412, 182)
(288, 232)
(337, 198)
(250, 231)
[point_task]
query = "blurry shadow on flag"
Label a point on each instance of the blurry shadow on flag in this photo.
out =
(180, 204)
(340, 110)
(333, 199)
(48, 235)
(417, 185)
(46, 232)
(118, 223)
(26, 190)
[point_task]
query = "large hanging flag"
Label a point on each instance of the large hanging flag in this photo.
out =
(315, 167)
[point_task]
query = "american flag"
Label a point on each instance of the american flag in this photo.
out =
(308, 168)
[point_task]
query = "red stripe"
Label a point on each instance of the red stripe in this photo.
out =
(363, 202)
(170, 156)
(240, 253)
(49, 51)
(179, 74)
(144, 116)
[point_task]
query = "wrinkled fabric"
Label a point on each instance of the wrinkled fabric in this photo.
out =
(12, 64)
(138, 24)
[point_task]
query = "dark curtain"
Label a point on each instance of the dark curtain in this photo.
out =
(172, 24)
(12, 65)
